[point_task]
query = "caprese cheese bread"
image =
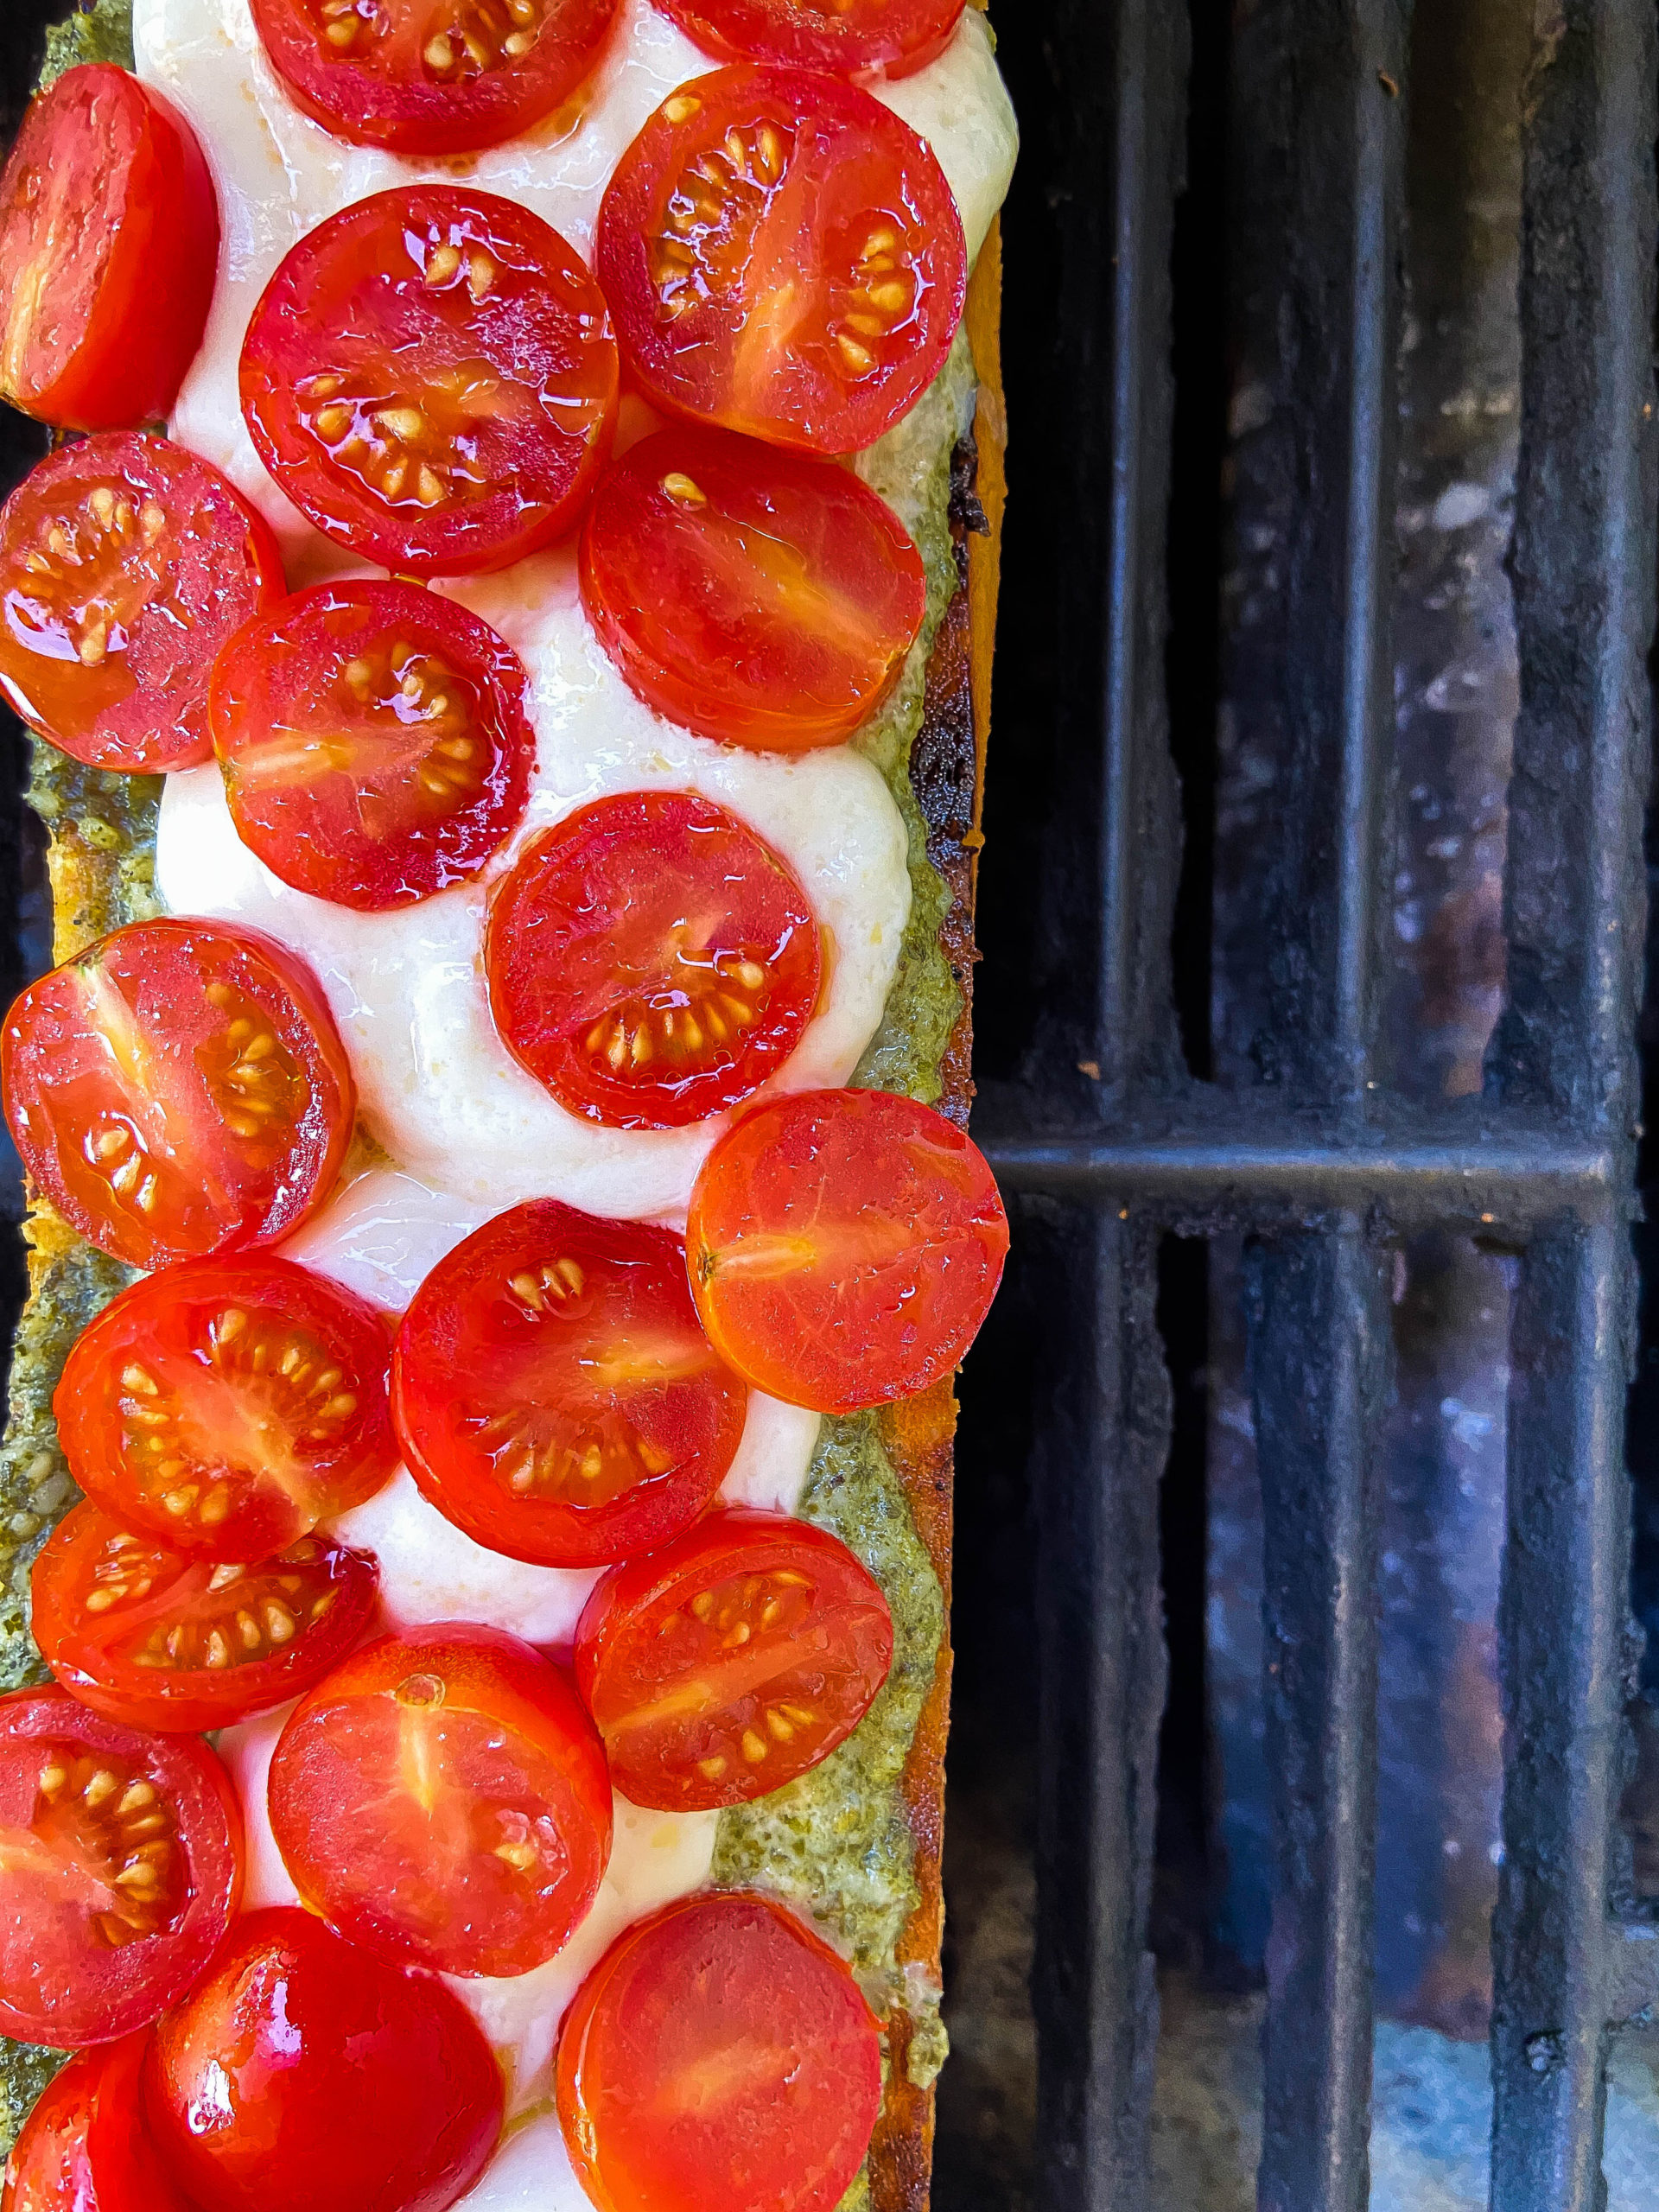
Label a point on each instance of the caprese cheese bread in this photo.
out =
(506, 619)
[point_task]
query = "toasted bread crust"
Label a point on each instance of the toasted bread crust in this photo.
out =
(947, 773)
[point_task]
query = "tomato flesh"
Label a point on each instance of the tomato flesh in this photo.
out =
(121, 1857)
(229, 1406)
(428, 76)
(733, 1660)
(651, 961)
(442, 1799)
(431, 377)
(758, 597)
(109, 245)
(783, 256)
(719, 2058)
(303, 2073)
(374, 741)
(554, 1392)
(84, 2148)
(126, 563)
(178, 1089)
(856, 38)
(844, 1247)
(149, 1635)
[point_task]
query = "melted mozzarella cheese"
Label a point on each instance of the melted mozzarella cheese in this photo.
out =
(655, 1858)
(438, 1088)
(280, 174)
(470, 1132)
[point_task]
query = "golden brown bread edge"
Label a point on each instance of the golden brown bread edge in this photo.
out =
(947, 770)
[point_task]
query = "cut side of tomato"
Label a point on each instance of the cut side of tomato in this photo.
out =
(554, 1392)
(651, 961)
(374, 741)
(423, 77)
(151, 1635)
(719, 2058)
(760, 598)
(304, 2076)
(120, 1870)
(431, 377)
(109, 246)
(85, 2147)
(783, 256)
(844, 1247)
(178, 1089)
(126, 563)
(861, 39)
(229, 1406)
(442, 1799)
(733, 1660)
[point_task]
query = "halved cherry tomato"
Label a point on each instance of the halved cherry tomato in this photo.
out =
(120, 1869)
(431, 377)
(229, 1405)
(651, 961)
(861, 39)
(373, 739)
(85, 2147)
(719, 2058)
(783, 256)
(442, 1799)
(424, 78)
(756, 596)
(109, 246)
(149, 1635)
(126, 563)
(554, 1394)
(178, 1089)
(736, 1657)
(844, 1247)
(304, 2076)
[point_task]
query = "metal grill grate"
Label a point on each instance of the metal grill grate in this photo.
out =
(1323, 1166)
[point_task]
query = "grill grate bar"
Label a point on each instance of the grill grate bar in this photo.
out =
(1318, 1326)
(1500, 1185)
(1587, 502)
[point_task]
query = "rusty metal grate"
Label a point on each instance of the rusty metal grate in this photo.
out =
(1324, 1165)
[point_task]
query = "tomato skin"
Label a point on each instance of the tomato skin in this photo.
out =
(398, 104)
(162, 1362)
(83, 2147)
(839, 201)
(872, 39)
(520, 1767)
(734, 1724)
(302, 2072)
(774, 610)
(67, 1782)
(130, 1045)
(649, 916)
(844, 1247)
(117, 677)
(282, 705)
(95, 1652)
(361, 381)
(782, 2126)
(109, 246)
(474, 1356)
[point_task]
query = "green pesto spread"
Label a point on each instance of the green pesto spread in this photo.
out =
(836, 1842)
